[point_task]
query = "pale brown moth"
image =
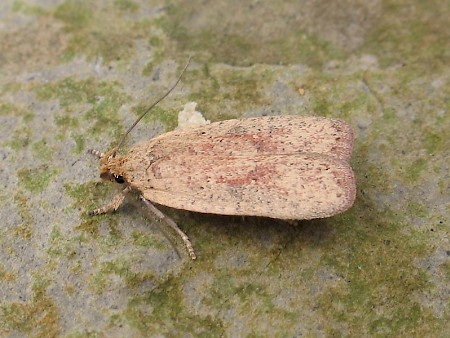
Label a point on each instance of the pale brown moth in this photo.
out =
(284, 167)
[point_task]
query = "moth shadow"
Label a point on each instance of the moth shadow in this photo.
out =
(212, 233)
(257, 233)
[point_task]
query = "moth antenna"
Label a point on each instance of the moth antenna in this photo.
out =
(153, 105)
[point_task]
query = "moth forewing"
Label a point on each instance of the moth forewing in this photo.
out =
(256, 136)
(283, 167)
(298, 186)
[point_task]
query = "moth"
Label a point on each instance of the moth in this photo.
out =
(284, 167)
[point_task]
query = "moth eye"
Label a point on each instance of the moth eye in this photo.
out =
(119, 179)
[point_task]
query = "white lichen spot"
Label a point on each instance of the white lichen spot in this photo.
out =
(189, 117)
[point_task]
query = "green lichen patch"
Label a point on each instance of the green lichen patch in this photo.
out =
(337, 96)
(24, 231)
(100, 29)
(21, 138)
(37, 318)
(9, 109)
(122, 268)
(114, 237)
(42, 150)
(85, 333)
(155, 41)
(27, 8)
(238, 90)
(87, 197)
(417, 209)
(11, 87)
(68, 91)
(66, 122)
(126, 5)
(158, 56)
(225, 287)
(168, 117)
(242, 293)
(105, 116)
(90, 227)
(146, 240)
(414, 171)
(434, 134)
(79, 142)
(444, 186)
(445, 268)
(59, 246)
(103, 98)
(154, 312)
(6, 276)
(37, 179)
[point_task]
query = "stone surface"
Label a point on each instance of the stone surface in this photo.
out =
(75, 74)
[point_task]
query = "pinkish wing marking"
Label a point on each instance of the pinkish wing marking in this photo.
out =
(300, 186)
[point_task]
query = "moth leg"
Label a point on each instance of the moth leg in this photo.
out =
(96, 153)
(113, 205)
(173, 225)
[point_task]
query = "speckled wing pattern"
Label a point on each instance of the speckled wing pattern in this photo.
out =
(285, 167)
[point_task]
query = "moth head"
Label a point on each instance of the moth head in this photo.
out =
(109, 167)
(110, 164)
